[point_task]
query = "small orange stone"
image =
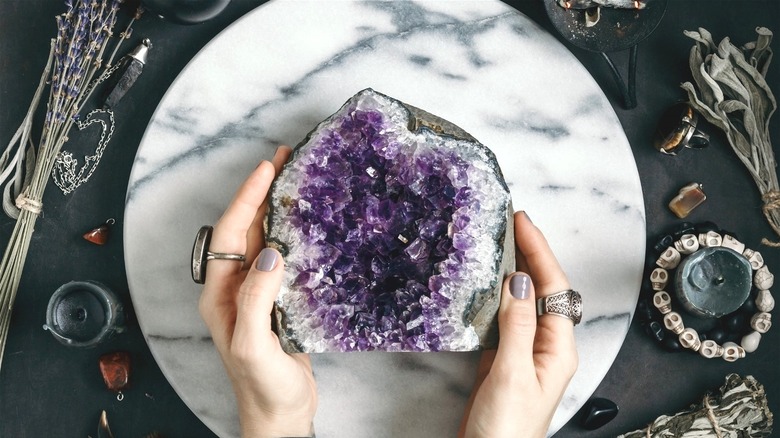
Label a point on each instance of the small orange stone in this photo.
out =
(115, 368)
(99, 235)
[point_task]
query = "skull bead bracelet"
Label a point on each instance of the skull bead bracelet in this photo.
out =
(700, 277)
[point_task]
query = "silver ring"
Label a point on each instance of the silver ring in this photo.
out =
(201, 254)
(567, 303)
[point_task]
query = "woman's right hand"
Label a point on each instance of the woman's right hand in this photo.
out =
(520, 385)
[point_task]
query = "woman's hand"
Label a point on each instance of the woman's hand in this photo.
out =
(519, 385)
(276, 392)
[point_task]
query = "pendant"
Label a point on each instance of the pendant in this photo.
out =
(99, 235)
(115, 369)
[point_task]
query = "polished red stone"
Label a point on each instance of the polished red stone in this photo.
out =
(98, 236)
(115, 368)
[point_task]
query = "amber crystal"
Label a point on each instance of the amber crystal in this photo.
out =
(115, 369)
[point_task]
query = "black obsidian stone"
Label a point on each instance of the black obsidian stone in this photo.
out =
(734, 323)
(683, 228)
(705, 227)
(671, 343)
(644, 311)
(663, 243)
(749, 306)
(717, 334)
(598, 412)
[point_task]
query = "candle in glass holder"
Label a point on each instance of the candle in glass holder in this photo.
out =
(83, 314)
(713, 281)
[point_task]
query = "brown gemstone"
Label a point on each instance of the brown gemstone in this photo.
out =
(98, 235)
(689, 197)
(115, 368)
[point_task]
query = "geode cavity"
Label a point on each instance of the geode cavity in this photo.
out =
(396, 231)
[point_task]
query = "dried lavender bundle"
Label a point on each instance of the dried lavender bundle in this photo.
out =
(740, 410)
(733, 95)
(75, 65)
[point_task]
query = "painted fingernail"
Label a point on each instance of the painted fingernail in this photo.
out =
(267, 260)
(520, 286)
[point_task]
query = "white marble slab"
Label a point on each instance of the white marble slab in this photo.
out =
(270, 77)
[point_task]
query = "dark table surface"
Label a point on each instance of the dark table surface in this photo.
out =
(48, 390)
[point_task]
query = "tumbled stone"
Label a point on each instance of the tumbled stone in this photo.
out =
(597, 412)
(396, 230)
(115, 369)
(750, 341)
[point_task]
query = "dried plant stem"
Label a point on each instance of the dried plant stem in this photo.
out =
(75, 59)
(740, 409)
(730, 90)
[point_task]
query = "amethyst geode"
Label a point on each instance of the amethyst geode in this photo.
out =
(396, 231)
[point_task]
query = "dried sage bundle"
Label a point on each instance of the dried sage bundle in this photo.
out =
(733, 95)
(739, 411)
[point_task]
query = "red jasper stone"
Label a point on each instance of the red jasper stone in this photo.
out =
(115, 368)
(98, 236)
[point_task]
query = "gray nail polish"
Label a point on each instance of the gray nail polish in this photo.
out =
(267, 260)
(520, 286)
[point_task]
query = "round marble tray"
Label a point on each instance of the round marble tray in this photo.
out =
(270, 77)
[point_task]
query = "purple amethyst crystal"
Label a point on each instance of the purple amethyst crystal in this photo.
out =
(396, 231)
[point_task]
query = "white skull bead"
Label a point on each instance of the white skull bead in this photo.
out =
(710, 349)
(755, 258)
(669, 259)
(763, 279)
(732, 352)
(688, 244)
(658, 278)
(730, 242)
(761, 322)
(689, 339)
(674, 323)
(764, 301)
(709, 239)
(663, 302)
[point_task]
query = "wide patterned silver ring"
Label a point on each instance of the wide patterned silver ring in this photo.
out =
(201, 254)
(567, 303)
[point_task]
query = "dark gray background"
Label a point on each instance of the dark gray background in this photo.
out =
(47, 390)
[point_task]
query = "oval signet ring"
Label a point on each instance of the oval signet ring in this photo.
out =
(201, 254)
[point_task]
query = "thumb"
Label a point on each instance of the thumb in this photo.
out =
(516, 325)
(255, 300)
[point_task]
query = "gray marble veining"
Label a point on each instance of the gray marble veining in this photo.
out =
(271, 76)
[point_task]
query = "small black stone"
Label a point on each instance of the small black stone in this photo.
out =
(734, 323)
(661, 245)
(749, 306)
(597, 412)
(671, 343)
(705, 227)
(717, 334)
(655, 330)
(644, 310)
(683, 228)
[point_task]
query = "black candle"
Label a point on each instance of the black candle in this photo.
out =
(714, 281)
(83, 313)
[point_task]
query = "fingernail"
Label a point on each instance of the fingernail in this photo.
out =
(520, 286)
(267, 260)
(527, 217)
